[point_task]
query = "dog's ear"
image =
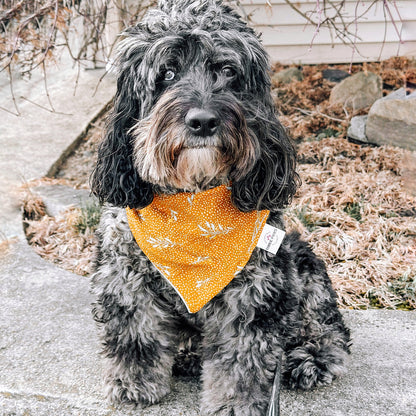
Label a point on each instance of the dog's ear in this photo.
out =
(115, 179)
(272, 181)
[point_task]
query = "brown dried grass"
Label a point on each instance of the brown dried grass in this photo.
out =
(58, 241)
(355, 211)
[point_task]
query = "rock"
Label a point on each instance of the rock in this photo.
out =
(335, 75)
(357, 91)
(392, 120)
(58, 198)
(356, 129)
(287, 75)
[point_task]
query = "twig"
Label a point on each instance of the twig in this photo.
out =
(8, 111)
(274, 403)
(386, 7)
(49, 42)
(45, 108)
(99, 82)
(313, 113)
(318, 25)
(45, 83)
(12, 92)
(384, 35)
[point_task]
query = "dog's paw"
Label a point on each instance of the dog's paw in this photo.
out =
(229, 410)
(232, 407)
(119, 392)
(310, 366)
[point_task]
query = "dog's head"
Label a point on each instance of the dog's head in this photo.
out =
(193, 110)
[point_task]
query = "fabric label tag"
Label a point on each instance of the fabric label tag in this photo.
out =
(270, 239)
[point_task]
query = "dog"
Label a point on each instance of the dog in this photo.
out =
(194, 118)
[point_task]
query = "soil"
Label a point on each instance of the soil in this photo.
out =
(356, 206)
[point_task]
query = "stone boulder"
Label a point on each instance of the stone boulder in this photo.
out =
(392, 120)
(357, 91)
(335, 75)
(356, 129)
(288, 75)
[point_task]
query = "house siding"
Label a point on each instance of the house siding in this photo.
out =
(289, 38)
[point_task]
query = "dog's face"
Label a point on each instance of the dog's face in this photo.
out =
(195, 134)
(193, 110)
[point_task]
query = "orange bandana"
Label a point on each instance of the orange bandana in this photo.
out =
(198, 241)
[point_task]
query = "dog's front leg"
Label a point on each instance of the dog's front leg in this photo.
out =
(138, 344)
(238, 369)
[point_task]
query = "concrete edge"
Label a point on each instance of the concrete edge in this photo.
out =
(56, 166)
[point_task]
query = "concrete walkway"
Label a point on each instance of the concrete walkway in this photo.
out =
(49, 363)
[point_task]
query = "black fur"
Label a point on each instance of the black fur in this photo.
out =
(191, 54)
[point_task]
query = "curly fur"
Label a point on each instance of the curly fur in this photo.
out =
(184, 55)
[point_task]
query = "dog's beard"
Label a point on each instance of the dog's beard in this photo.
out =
(168, 155)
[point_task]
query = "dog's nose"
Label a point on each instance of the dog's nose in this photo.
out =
(201, 122)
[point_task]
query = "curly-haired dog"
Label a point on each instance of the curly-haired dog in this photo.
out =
(194, 118)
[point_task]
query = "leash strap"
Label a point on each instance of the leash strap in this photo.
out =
(274, 404)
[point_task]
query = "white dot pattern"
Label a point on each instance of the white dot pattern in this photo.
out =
(198, 242)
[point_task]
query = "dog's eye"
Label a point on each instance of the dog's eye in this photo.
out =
(169, 75)
(228, 71)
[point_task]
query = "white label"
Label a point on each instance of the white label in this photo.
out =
(270, 239)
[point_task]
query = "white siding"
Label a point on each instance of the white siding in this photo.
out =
(289, 38)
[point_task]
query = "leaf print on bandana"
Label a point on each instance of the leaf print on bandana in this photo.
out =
(174, 215)
(160, 242)
(201, 259)
(165, 270)
(191, 199)
(200, 283)
(212, 231)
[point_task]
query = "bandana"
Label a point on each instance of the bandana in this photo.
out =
(197, 241)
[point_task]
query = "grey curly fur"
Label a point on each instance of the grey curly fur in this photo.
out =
(279, 304)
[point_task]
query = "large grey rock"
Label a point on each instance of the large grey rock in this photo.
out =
(392, 120)
(357, 91)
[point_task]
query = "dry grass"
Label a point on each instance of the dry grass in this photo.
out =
(355, 211)
(59, 241)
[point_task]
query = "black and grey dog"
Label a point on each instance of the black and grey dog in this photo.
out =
(193, 110)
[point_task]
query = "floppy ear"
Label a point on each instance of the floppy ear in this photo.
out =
(273, 180)
(115, 179)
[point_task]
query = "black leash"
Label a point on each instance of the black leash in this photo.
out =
(274, 404)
